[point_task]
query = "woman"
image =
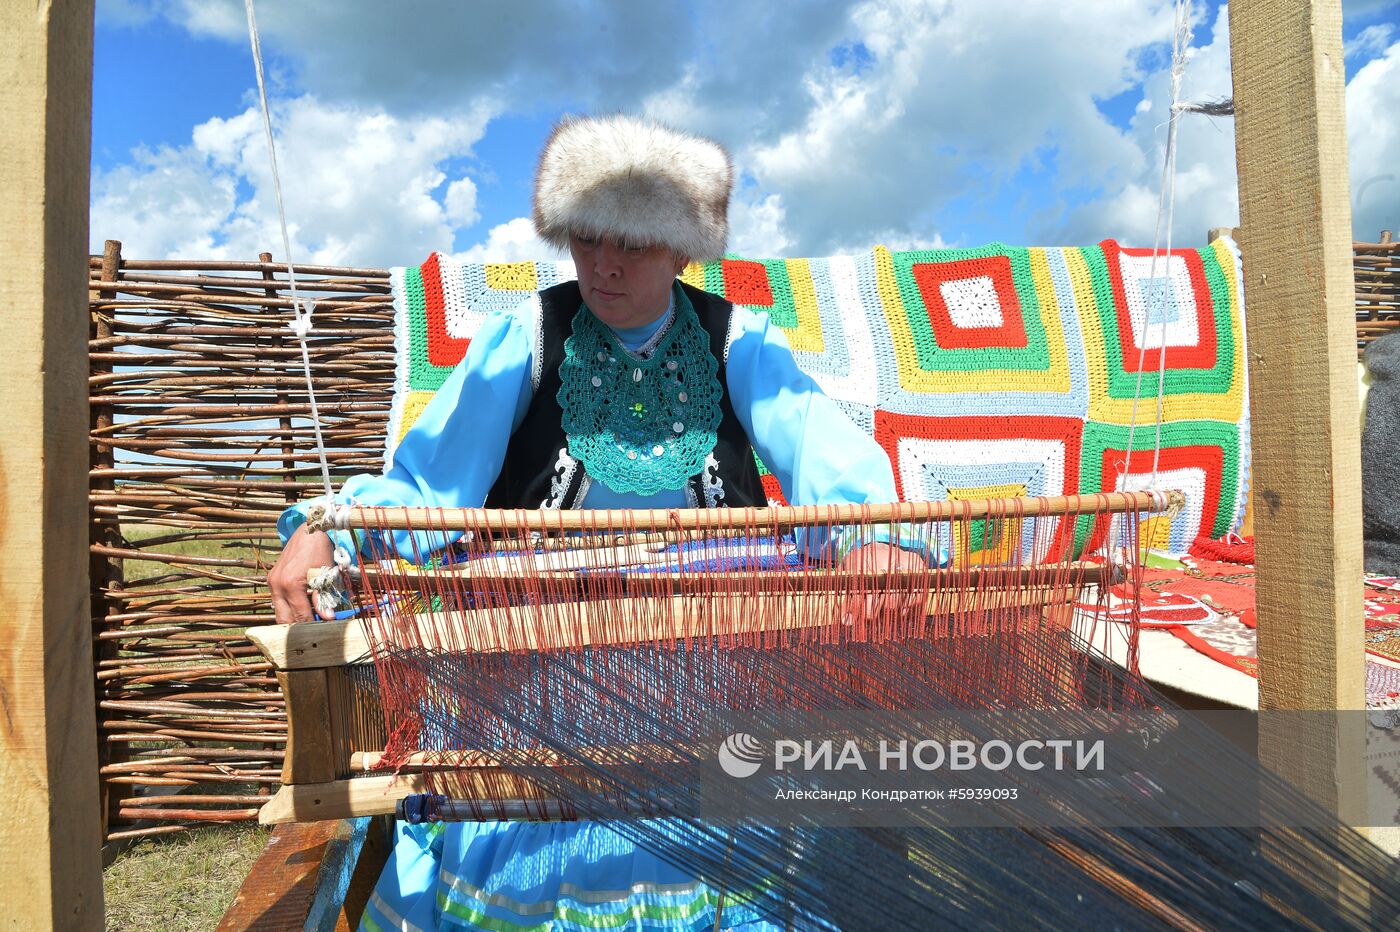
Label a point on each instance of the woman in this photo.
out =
(623, 389)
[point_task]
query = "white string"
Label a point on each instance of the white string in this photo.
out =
(1166, 208)
(302, 308)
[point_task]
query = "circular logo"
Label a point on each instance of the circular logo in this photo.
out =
(741, 755)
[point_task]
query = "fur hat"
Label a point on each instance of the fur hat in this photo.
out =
(634, 180)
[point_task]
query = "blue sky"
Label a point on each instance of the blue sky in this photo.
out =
(415, 126)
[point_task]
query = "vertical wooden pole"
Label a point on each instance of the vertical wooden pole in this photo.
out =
(289, 463)
(106, 573)
(50, 841)
(1291, 150)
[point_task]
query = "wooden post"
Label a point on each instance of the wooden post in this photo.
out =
(106, 572)
(289, 463)
(1291, 150)
(50, 840)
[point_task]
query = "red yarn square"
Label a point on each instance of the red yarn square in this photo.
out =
(746, 282)
(891, 426)
(1206, 457)
(1200, 356)
(932, 276)
(443, 348)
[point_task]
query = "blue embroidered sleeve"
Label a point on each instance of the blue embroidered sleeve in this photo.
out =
(820, 456)
(454, 451)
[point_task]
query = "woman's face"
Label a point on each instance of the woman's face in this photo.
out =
(624, 287)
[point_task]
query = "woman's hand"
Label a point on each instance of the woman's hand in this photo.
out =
(876, 559)
(291, 601)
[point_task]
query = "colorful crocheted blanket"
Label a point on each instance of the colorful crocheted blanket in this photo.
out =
(982, 372)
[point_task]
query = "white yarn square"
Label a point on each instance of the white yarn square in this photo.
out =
(972, 302)
(1190, 480)
(1159, 319)
(1038, 463)
(861, 383)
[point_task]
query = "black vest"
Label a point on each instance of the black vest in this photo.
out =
(538, 471)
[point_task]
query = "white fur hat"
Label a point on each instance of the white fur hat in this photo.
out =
(634, 180)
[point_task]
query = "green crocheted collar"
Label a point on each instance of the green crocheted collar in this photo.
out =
(640, 425)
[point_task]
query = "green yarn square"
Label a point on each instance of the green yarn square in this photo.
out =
(1099, 436)
(1123, 384)
(1034, 357)
(423, 376)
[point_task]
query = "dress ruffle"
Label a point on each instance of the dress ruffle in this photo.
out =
(556, 876)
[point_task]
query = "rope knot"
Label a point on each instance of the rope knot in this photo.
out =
(327, 588)
(300, 324)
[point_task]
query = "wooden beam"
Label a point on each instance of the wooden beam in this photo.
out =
(310, 756)
(501, 793)
(306, 877)
(1291, 150)
(340, 799)
(50, 838)
(106, 573)
(779, 518)
(566, 625)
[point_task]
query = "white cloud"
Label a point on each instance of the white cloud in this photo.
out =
(896, 121)
(1366, 8)
(163, 204)
(461, 203)
(1373, 139)
(1206, 188)
(228, 20)
(1206, 194)
(955, 101)
(512, 241)
(1371, 41)
(124, 13)
(756, 228)
(421, 57)
(361, 187)
(899, 243)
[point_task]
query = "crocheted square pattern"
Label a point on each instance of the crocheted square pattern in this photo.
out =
(987, 371)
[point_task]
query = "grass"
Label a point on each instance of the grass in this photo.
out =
(180, 883)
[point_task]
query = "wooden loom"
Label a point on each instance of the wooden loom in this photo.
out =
(1296, 224)
(540, 593)
(335, 718)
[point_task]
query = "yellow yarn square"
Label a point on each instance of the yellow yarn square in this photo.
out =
(807, 335)
(512, 276)
(1007, 539)
(413, 406)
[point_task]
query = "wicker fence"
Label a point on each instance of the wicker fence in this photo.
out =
(1377, 288)
(200, 437)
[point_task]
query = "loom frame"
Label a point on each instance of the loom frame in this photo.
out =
(51, 54)
(319, 767)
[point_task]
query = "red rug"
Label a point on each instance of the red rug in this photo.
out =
(1209, 605)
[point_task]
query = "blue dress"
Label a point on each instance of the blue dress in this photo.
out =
(514, 876)
(508, 876)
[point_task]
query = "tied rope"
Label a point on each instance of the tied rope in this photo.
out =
(325, 584)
